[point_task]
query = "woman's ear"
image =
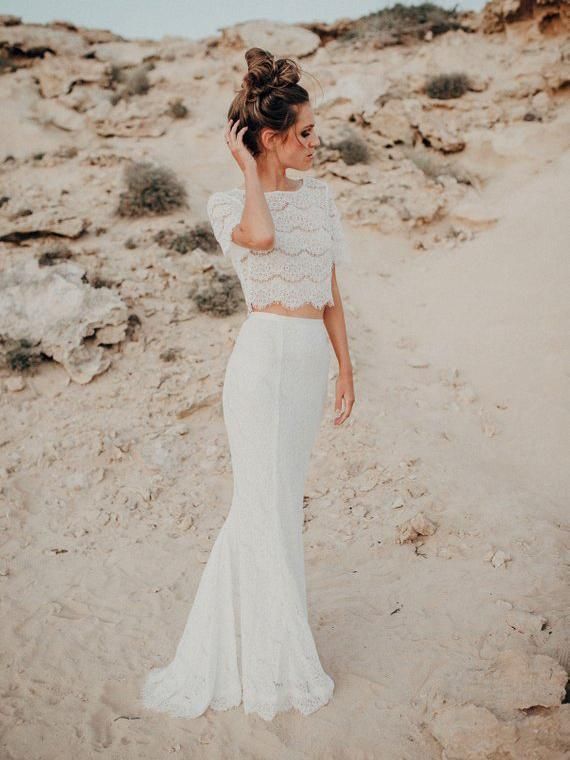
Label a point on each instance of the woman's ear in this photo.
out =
(267, 137)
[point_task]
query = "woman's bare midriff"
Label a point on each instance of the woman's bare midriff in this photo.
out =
(303, 311)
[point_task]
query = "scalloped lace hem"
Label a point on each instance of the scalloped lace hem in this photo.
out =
(289, 305)
(266, 707)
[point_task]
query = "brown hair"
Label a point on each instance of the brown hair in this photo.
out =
(268, 97)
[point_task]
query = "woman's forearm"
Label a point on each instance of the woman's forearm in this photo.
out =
(256, 221)
(335, 324)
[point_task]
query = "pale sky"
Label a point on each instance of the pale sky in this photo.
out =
(193, 18)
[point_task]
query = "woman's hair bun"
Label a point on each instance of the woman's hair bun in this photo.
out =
(264, 72)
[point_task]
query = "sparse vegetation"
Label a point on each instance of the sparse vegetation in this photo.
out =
(177, 109)
(133, 324)
(54, 254)
(169, 355)
(150, 190)
(66, 151)
(201, 236)
(131, 81)
(353, 149)
(399, 22)
(217, 293)
(115, 74)
(433, 167)
(19, 355)
(137, 83)
(96, 281)
(445, 86)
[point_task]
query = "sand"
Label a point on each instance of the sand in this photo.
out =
(436, 531)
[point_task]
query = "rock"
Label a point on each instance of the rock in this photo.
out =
(53, 309)
(360, 512)
(473, 214)
(419, 525)
(523, 86)
(366, 480)
(133, 119)
(470, 732)
(416, 490)
(393, 199)
(392, 123)
(30, 37)
(42, 223)
(9, 20)
(526, 680)
(557, 73)
(58, 76)
(281, 38)
(525, 622)
(540, 103)
(15, 383)
(184, 268)
(498, 558)
(125, 52)
(498, 13)
(439, 132)
(54, 113)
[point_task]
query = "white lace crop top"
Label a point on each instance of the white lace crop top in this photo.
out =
(309, 239)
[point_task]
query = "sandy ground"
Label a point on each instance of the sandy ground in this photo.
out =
(113, 492)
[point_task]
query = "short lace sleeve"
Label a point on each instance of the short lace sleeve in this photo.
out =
(224, 213)
(340, 250)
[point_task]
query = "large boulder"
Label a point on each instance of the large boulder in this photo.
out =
(55, 311)
(282, 39)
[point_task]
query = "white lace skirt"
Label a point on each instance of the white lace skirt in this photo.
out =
(247, 637)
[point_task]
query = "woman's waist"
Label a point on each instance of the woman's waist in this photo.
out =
(306, 312)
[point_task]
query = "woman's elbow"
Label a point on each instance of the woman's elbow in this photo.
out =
(263, 243)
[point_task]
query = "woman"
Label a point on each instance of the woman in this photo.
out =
(247, 637)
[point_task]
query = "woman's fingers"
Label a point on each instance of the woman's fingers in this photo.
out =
(348, 404)
(232, 135)
(229, 131)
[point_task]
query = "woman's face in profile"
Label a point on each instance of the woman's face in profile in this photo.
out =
(297, 151)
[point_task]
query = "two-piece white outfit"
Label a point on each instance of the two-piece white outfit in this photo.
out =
(247, 637)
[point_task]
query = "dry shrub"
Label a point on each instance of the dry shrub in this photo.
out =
(201, 236)
(217, 293)
(399, 22)
(446, 86)
(177, 109)
(19, 355)
(150, 190)
(353, 149)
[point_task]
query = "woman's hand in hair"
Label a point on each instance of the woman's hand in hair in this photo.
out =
(239, 151)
